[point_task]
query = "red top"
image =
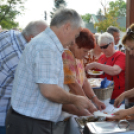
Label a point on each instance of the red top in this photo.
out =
(118, 58)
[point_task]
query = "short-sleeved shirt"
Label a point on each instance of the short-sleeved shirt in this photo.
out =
(41, 62)
(12, 44)
(73, 68)
(118, 58)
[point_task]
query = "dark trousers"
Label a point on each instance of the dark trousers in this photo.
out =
(19, 124)
(2, 130)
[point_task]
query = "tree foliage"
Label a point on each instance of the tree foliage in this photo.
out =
(58, 4)
(116, 9)
(99, 12)
(86, 17)
(121, 5)
(110, 19)
(9, 11)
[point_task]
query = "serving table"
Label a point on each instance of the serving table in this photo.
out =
(75, 129)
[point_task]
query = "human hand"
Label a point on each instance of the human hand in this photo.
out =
(119, 115)
(92, 108)
(90, 66)
(84, 112)
(100, 105)
(83, 102)
(119, 99)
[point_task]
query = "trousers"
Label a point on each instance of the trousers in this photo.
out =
(20, 124)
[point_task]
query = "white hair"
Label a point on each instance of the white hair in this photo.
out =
(64, 15)
(33, 28)
(106, 38)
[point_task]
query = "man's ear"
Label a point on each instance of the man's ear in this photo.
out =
(31, 36)
(66, 28)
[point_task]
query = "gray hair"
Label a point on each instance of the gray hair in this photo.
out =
(112, 29)
(33, 28)
(64, 15)
(106, 38)
(96, 35)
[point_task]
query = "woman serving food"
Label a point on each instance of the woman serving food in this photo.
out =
(128, 41)
(112, 63)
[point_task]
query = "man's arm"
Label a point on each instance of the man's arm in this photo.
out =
(70, 108)
(56, 94)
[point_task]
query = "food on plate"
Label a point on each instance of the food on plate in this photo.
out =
(95, 82)
(85, 119)
(95, 71)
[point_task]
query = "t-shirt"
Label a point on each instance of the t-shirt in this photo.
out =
(118, 58)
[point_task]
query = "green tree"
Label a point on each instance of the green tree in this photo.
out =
(58, 4)
(86, 17)
(121, 5)
(110, 19)
(99, 12)
(9, 11)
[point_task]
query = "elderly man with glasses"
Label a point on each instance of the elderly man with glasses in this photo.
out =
(112, 62)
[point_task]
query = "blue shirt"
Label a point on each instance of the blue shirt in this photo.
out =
(41, 62)
(12, 44)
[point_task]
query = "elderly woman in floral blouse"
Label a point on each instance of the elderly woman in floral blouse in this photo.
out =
(75, 80)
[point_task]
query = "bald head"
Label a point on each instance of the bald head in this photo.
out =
(33, 29)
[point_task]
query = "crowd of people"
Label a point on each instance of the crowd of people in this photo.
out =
(42, 73)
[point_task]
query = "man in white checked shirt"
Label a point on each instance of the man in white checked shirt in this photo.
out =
(38, 94)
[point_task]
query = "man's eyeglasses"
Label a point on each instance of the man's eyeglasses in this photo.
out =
(129, 31)
(105, 46)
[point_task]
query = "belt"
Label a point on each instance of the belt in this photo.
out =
(16, 113)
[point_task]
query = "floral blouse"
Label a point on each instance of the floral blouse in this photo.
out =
(73, 68)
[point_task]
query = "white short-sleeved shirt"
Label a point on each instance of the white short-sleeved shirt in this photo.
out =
(41, 62)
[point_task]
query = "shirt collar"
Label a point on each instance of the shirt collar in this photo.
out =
(22, 39)
(18, 42)
(55, 39)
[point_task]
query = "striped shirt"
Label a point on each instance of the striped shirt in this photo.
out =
(41, 62)
(12, 44)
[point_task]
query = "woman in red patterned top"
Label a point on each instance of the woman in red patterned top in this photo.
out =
(112, 62)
